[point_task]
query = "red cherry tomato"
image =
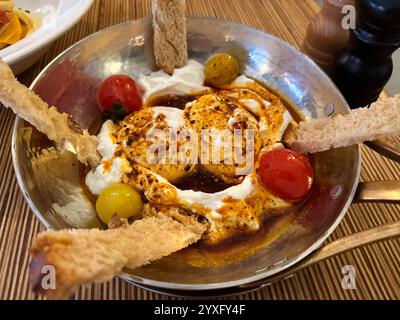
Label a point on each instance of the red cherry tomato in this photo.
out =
(119, 92)
(286, 174)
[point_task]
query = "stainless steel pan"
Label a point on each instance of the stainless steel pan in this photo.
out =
(51, 184)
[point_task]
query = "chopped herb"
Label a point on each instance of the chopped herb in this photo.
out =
(116, 114)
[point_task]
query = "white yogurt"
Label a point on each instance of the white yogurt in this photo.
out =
(101, 178)
(214, 201)
(186, 80)
(241, 81)
(174, 116)
(106, 146)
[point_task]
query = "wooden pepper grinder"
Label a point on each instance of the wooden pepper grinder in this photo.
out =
(364, 65)
(325, 35)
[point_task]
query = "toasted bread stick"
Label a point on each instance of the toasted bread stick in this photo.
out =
(170, 43)
(89, 255)
(55, 125)
(382, 118)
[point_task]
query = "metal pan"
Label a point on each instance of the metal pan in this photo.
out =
(51, 184)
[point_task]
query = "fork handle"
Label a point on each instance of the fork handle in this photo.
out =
(380, 191)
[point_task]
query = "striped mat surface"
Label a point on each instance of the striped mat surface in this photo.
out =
(377, 265)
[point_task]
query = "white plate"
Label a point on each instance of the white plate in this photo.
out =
(58, 16)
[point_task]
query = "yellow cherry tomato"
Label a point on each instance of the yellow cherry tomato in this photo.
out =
(221, 69)
(118, 199)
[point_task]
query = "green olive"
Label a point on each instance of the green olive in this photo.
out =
(118, 199)
(221, 69)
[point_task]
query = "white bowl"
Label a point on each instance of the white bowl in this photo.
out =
(58, 16)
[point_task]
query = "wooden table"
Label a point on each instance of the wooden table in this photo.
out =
(377, 265)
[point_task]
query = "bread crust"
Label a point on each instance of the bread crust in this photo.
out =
(91, 255)
(382, 118)
(170, 32)
(55, 125)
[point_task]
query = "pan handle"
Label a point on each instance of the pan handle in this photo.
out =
(382, 191)
(344, 244)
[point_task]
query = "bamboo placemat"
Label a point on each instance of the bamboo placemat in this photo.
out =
(377, 265)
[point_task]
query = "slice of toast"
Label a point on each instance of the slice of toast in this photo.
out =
(382, 118)
(170, 43)
(90, 255)
(27, 105)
